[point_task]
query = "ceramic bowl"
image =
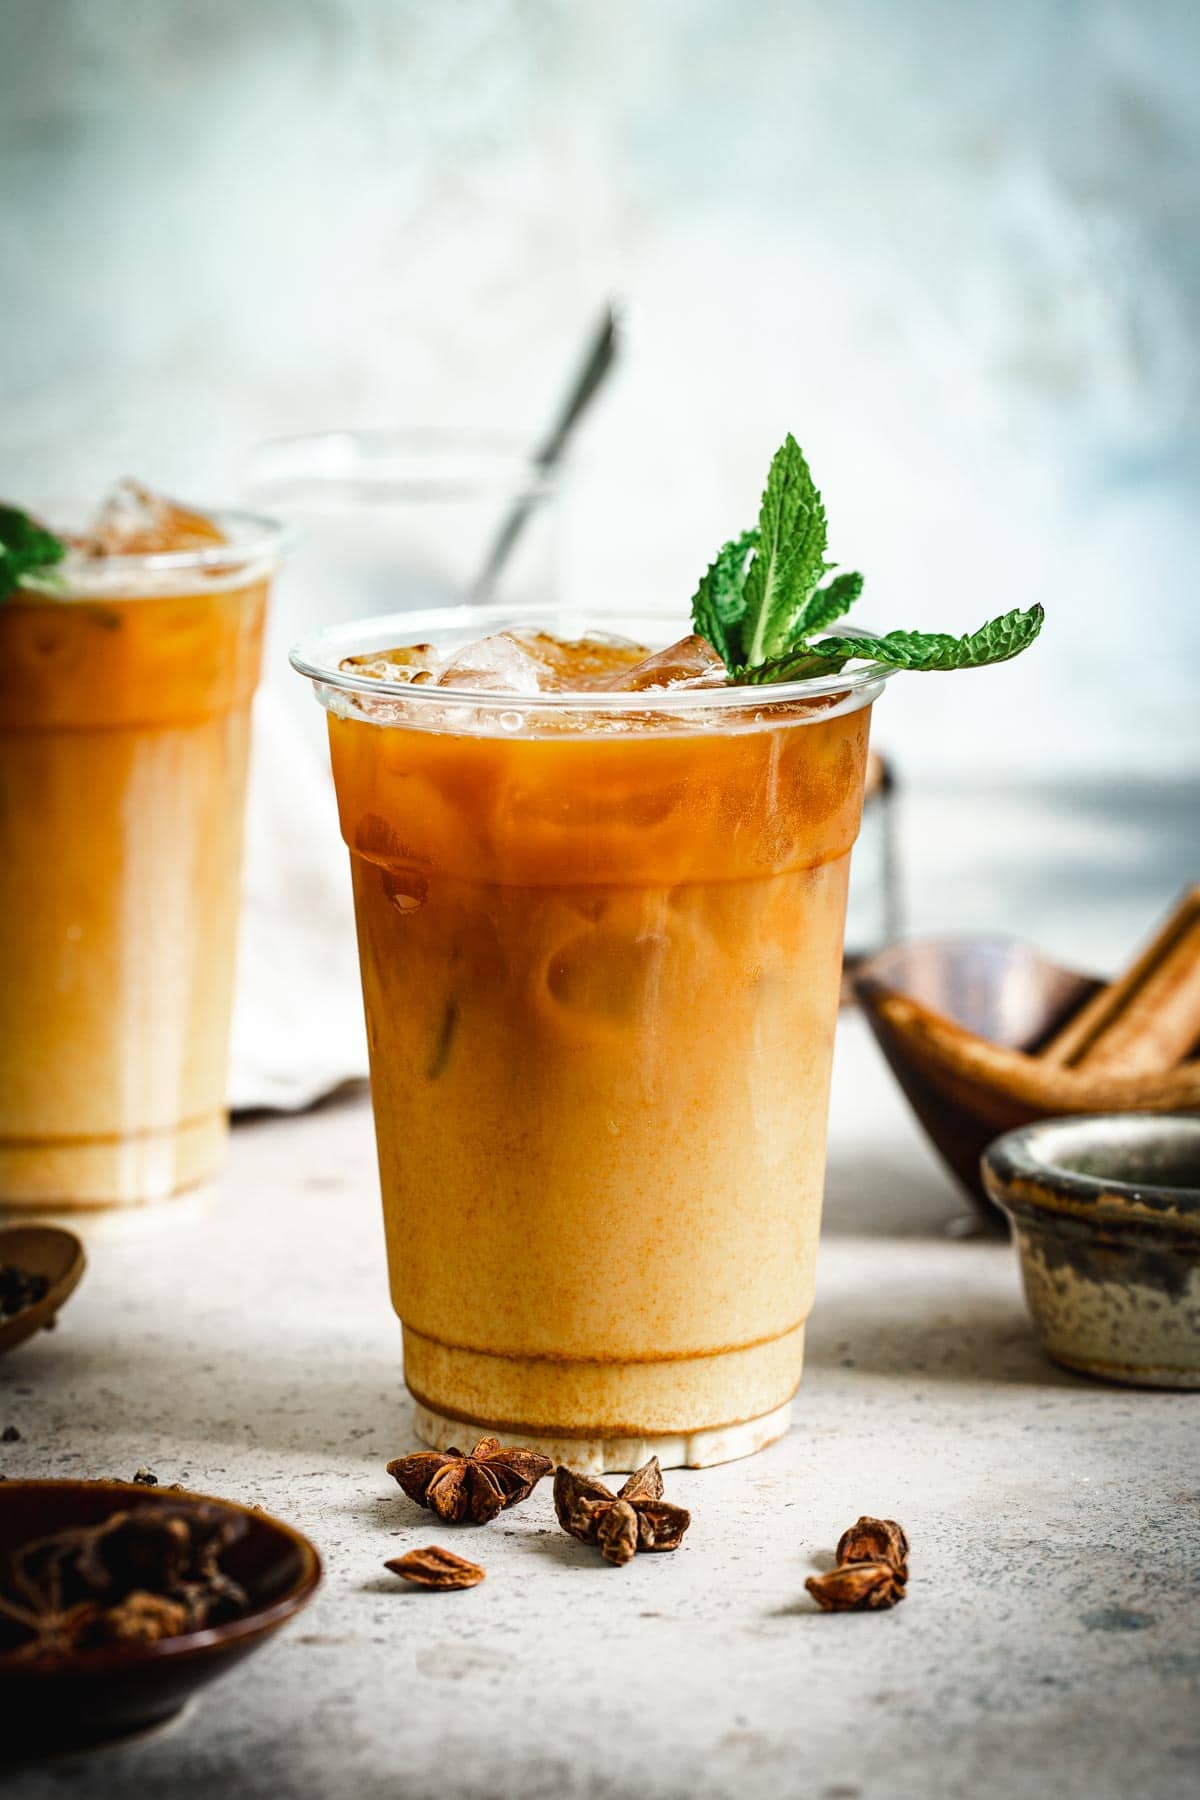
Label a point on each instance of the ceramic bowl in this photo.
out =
(104, 1693)
(959, 1020)
(1106, 1217)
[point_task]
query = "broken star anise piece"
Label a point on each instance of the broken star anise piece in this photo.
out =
(636, 1518)
(474, 1488)
(856, 1587)
(436, 1568)
(872, 1569)
(140, 1618)
(875, 1540)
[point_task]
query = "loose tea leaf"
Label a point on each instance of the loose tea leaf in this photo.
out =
(473, 1488)
(857, 1587)
(621, 1524)
(434, 1567)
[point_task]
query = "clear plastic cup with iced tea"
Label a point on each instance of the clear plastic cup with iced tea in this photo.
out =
(600, 898)
(126, 677)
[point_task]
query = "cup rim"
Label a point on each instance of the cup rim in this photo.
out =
(255, 545)
(318, 656)
(359, 466)
(1030, 1168)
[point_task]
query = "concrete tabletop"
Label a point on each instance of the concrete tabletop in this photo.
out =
(240, 1342)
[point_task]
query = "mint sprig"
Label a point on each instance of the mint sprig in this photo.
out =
(764, 599)
(24, 546)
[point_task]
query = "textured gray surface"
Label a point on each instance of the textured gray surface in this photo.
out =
(242, 1343)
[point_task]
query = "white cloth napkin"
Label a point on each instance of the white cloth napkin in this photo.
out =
(297, 1025)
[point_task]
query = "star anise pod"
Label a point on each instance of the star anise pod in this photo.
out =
(636, 1518)
(46, 1635)
(459, 1487)
(875, 1540)
(856, 1587)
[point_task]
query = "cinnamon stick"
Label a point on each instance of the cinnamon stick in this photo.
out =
(1148, 1019)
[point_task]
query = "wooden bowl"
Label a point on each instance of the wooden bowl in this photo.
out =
(102, 1693)
(958, 1020)
(41, 1250)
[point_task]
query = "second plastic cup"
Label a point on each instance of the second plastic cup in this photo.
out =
(124, 731)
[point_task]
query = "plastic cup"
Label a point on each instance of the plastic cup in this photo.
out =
(600, 940)
(124, 729)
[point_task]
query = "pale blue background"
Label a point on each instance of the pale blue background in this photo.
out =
(952, 246)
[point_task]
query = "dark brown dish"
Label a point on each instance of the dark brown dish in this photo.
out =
(960, 1021)
(83, 1696)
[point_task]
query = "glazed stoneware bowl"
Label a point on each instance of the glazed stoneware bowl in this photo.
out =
(960, 1021)
(1106, 1218)
(94, 1695)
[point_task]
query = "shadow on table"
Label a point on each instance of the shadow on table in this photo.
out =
(889, 1331)
(212, 1402)
(873, 1195)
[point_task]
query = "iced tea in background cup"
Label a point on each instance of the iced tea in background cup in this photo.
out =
(126, 677)
(600, 922)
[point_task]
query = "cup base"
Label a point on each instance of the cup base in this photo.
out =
(689, 1410)
(593, 1456)
(79, 1174)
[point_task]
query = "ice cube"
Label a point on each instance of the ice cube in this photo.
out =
(408, 662)
(580, 663)
(524, 662)
(497, 665)
(692, 662)
(606, 976)
(135, 521)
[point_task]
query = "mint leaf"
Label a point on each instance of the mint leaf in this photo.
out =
(719, 605)
(789, 560)
(994, 642)
(829, 603)
(793, 665)
(24, 546)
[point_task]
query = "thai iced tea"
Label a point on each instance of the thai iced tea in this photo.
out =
(600, 954)
(125, 690)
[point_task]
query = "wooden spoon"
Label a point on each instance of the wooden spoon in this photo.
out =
(40, 1250)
